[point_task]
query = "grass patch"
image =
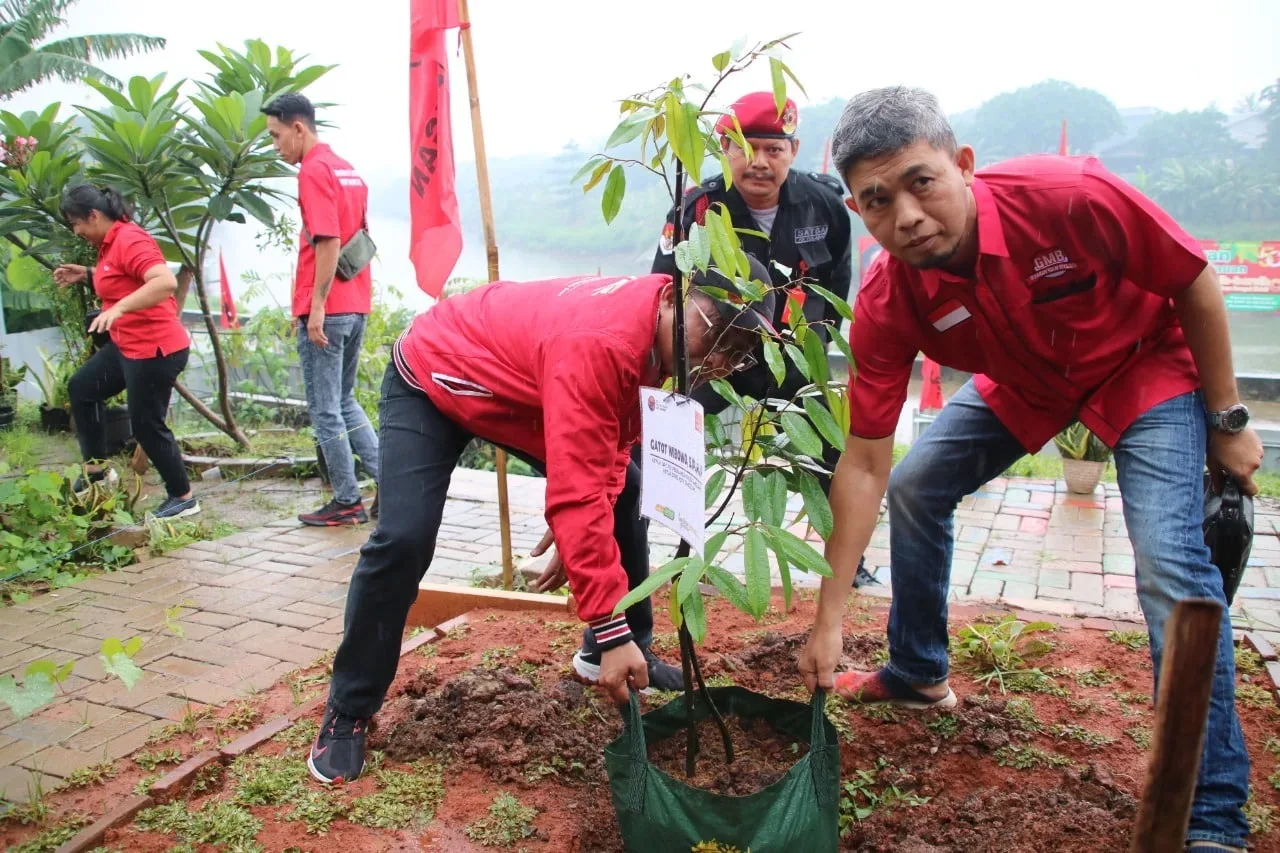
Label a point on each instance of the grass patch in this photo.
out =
(1022, 712)
(1131, 698)
(1084, 706)
(866, 793)
(316, 810)
(1029, 758)
(207, 777)
(267, 780)
(1088, 737)
(408, 798)
(1261, 817)
(151, 759)
(1095, 676)
(498, 656)
(143, 785)
(507, 823)
(300, 734)
(1131, 640)
(91, 775)
(944, 725)
(837, 710)
(1248, 662)
(225, 825)
(169, 535)
(1141, 735)
(996, 652)
(1253, 696)
(53, 837)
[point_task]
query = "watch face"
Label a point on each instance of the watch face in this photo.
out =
(1236, 418)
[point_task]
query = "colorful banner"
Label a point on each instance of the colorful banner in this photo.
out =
(1249, 274)
(229, 318)
(435, 231)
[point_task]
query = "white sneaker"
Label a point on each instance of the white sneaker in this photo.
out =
(107, 477)
(589, 671)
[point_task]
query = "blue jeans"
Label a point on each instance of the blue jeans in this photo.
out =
(341, 426)
(1160, 464)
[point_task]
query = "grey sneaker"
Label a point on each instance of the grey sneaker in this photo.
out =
(177, 508)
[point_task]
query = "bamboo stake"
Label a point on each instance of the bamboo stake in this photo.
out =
(1182, 708)
(491, 251)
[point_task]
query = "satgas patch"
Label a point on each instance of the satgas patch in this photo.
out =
(811, 234)
(1051, 263)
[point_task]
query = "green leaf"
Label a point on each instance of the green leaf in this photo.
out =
(776, 485)
(651, 583)
(754, 496)
(730, 587)
(715, 485)
(794, 79)
(587, 167)
(800, 553)
(773, 358)
(797, 358)
(598, 175)
(815, 353)
(842, 307)
(715, 430)
(111, 646)
(695, 618)
(711, 549)
(132, 647)
(842, 344)
(727, 392)
(802, 435)
(64, 671)
(684, 258)
(614, 189)
(779, 84)
(825, 422)
(697, 143)
(625, 132)
(757, 560)
(784, 572)
(37, 690)
(123, 667)
(721, 60)
(689, 578)
(816, 505)
(699, 246)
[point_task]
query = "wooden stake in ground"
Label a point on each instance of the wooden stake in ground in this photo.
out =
(1182, 707)
(138, 462)
(491, 251)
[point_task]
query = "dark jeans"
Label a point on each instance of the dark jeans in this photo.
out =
(423, 447)
(149, 385)
(1160, 465)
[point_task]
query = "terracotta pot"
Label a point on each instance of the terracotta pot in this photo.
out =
(1082, 477)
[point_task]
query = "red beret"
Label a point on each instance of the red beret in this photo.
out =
(757, 113)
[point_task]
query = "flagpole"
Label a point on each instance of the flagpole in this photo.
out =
(491, 251)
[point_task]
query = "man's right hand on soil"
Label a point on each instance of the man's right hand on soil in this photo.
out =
(623, 669)
(820, 658)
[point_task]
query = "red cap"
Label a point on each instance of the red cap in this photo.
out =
(758, 115)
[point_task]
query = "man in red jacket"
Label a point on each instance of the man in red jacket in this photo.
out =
(551, 370)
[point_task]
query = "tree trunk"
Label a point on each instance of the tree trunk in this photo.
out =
(228, 423)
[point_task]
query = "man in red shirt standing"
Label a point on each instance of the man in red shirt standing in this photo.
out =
(1070, 296)
(331, 311)
(552, 371)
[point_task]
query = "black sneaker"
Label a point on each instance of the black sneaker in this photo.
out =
(862, 577)
(338, 753)
(177, 508)
(662, 676)
(335, 514)
(108, 477)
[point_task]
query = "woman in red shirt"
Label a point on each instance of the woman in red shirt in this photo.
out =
(148, 346)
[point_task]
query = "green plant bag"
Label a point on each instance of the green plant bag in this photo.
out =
(799, 812)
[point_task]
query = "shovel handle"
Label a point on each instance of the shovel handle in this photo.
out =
(1182, 708)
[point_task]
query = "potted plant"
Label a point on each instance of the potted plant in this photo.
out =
(1084, 458)
(672, 128)
(55, 411)
(10, 379)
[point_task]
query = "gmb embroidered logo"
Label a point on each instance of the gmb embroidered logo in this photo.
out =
(1050, 263)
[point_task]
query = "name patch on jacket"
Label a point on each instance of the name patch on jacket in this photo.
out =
(811, 234)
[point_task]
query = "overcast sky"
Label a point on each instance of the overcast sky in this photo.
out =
(552, 71)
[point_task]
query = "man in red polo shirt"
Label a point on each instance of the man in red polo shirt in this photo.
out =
(1070, 296)
(331, 311)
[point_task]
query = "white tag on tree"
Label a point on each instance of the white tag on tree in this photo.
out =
(673, 445)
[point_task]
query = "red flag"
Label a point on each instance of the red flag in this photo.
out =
(1062, 141)
(931, 393)
(229, 318)
(826, 155)
(435, 236)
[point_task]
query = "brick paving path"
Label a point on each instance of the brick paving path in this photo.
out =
(264, 602)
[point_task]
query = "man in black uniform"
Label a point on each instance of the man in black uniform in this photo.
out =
(809, 237)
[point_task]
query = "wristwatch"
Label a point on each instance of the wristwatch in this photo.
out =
(1231, 420)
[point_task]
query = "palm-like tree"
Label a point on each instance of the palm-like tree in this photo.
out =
(24, 61)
